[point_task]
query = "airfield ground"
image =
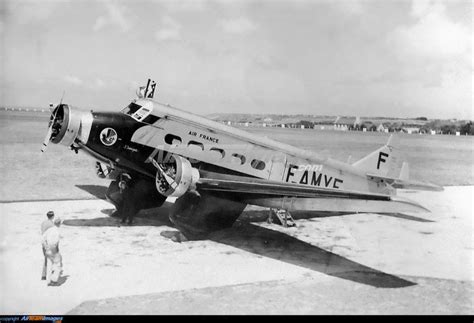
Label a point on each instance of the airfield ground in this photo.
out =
(329, 264)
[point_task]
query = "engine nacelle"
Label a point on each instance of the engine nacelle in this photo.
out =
(69, 124)
(175, 177)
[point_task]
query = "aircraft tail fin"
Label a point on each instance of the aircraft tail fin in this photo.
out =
(381, 162)
(349, 160)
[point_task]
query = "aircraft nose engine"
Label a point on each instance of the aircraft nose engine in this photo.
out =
(66, 124)
(175, 177)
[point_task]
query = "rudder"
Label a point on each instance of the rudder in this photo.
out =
(381, 162)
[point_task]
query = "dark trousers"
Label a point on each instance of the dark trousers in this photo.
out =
(128, 206)
(45, 265)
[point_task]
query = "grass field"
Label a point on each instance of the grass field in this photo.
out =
(60, 173)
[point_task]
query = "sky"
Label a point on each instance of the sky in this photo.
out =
(365, 58)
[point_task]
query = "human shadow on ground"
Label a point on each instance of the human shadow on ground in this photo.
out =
(61, 280)
(280, 246)
(95, 190)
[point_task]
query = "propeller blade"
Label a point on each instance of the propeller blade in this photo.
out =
(46, 139)
(62, 97)
(50, 128)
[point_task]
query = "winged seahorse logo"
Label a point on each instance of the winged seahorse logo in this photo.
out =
(108, 136)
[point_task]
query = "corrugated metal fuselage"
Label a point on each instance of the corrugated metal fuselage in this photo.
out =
(228, 149)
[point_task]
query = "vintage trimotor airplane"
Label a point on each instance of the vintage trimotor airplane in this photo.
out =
(215, 170)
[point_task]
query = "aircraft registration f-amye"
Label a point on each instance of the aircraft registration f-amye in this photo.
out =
(215, 170)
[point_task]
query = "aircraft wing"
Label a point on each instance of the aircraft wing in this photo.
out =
(302, 197)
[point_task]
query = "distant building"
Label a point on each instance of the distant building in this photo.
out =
(346, 123)
(411, 130)
(381, 128)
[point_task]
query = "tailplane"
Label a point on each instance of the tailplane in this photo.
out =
(381, 166)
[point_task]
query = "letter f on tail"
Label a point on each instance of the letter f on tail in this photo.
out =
(382, 162)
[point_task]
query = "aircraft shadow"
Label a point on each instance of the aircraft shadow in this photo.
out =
(406, 217)
(148, 217)
(266, 242)
(95, 190)
(282, 247)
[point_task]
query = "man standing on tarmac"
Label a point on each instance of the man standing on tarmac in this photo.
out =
(50, 242)
(127, 204)
(45, 225)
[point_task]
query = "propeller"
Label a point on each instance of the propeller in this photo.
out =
(50, 131)
(51, 123)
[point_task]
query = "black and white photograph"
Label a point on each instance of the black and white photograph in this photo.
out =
(236, 157)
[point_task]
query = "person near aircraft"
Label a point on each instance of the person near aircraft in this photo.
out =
(45, 225)
(48, 223)
(50, 242)
(125, 208)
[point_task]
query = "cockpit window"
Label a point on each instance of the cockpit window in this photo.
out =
(141, 113)
(131, 108)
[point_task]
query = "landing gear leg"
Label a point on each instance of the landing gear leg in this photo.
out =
(139, 194)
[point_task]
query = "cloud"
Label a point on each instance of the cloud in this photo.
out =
(420, 8)
(433, 35)
(100, 22)
(116, 15)
(190, 5)
(170, 29)
(99, 83)
(240, 25)
(28, 11)
(349, 7)
(73, 80)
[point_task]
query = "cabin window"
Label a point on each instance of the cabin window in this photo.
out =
(240, 159)
(258, 164)
(172, 140)
(217, 152)
(196, 144)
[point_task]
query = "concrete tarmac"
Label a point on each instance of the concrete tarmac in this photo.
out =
(344, 264)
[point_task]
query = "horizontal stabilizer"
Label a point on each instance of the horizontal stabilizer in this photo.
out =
(406, 184)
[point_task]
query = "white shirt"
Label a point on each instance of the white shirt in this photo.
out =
(51, 237)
